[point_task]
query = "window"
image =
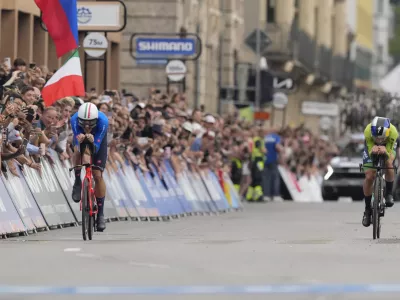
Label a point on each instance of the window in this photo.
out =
(271, 4)
(380, 6)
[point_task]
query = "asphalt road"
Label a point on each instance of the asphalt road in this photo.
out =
(267, 244)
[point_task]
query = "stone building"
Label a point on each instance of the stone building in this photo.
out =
(219, 23)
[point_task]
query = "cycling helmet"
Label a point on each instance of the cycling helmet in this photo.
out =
(380, 129)
(88, 115)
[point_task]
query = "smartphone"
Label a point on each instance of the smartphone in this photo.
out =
(2, 108)
(25, 142)
(32, 65)
(7, 61)
(109, 114)
(36, 124)
(93, 90)
(29, 117)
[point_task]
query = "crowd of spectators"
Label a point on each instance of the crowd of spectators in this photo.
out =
(141, 130)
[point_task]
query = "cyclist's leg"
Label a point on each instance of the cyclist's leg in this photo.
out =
(389, 178)
(367, 187)
(77, 187)
(100, 160)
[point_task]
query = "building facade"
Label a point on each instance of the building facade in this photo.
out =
(22, 35)
(383, 32)
(219, 24)
(364, 43)
(309, 44)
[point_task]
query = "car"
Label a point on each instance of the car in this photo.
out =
(343, 177)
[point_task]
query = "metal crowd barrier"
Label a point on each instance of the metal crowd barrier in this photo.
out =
(35, 202)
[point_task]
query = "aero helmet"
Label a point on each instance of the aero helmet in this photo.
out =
(380, 129)
(88, 115)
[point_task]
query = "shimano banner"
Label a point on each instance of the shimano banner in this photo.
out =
(165, 46)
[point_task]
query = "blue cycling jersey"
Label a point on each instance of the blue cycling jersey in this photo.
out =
(99, 131)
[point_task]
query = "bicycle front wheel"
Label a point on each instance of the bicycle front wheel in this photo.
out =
(85, 210)
(376, 213)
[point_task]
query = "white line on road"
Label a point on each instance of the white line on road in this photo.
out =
(72, 249)
(149, 265)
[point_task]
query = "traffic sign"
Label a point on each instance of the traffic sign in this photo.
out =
(176, 70)
(283, 83)
(95, 44)
(280, 100)
(251, 40)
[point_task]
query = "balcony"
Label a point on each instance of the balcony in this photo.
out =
(349, 70)
(282, 46)
(339, 68)
(325, 62)
(306, 50)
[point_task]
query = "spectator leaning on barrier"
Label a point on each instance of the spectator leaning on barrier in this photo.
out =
(271, 184)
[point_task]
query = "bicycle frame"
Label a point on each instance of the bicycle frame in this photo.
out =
(89, 177)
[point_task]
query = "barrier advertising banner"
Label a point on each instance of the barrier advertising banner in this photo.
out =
(66, 181)
(10, 221)
(45, 194)
(215, 195)
(233, 194)
(40, 199)
(23, 200)
(117, 196)
(140, 184)
(171, 202)
(132, 201)
(169, 176)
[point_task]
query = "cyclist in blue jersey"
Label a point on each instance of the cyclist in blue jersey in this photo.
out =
(90, 124)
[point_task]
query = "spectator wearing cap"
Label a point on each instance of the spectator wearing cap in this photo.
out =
(209, 122)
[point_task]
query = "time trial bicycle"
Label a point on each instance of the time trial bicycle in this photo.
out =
(88, 204)
(378, 200)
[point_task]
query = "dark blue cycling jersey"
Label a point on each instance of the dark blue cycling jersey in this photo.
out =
(99, 131)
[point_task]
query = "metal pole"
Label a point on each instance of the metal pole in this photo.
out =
(258, 58)
(105, 66)
(197, 75)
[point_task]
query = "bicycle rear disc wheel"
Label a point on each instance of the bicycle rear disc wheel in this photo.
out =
(85, 210)
(91, 222)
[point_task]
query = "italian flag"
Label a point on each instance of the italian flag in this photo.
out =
(66, 82)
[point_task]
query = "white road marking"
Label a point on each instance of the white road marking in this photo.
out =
(72, 249)
(149, 265)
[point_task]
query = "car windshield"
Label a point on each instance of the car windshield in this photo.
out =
(353, 149)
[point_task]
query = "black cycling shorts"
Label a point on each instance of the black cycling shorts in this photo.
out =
(100, 158)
